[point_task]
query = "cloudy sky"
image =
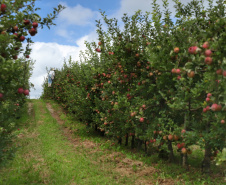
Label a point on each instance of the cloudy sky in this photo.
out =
(75, 25)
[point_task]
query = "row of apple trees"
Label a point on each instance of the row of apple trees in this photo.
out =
(160, 82)
(18, 22)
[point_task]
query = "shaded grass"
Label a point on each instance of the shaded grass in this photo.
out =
(168, 170)
(45, 156)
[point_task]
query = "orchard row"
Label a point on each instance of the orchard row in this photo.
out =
(161, 82)
(18, 21)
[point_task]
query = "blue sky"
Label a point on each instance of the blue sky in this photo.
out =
(75, 25)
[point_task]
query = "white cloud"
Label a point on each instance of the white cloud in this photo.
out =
(76, 15)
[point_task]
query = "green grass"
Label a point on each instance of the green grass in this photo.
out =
(168, 170)
(45, 156)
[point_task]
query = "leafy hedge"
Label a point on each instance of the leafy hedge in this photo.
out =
(18, 22)
(160, 81)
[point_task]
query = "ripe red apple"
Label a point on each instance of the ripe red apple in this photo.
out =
(208, 60)
(143, 106)
(141, 120)
(176, 50)
(15, 57)
(192, 50)
(191, 74)
(20, 90)
(178, 71)
(207, 108)
(184, 150)
(15, 28)
(224, 73)
(209, 95)
(137, 55)
(219, 107)
(204, 110)
(222, 121)
(27, 56)
(3, 7)
(35, 24)
(205, 45)
(178, 145)
(219, 71)
(16, 34)
(98, 49)
(173, 71)
(207, 99)
(170, 137)
(214, 107)
(99, 43)
(208, 53)
(113, 92)
(182, 145)
(183, 131)
(32, 31)
(22, 38)
(26, 92)
(26, 22)
(179, 77)
(1, 95)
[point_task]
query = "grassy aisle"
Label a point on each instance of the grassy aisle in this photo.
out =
(45, 156)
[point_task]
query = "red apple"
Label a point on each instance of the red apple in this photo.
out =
(219, 71)
(26, 92)
(32, 31)
(15, 28)
(209, 95)
(98, 49)
(15, 57)
(205, 45)
(222, 121)
(176, 50)
(27, 56)
(1, 95)
(20, 90)
(141, 120)
(184, 150)
(178, 71)
(170, 137)
(183, 131)
(214, 107)
(208, 60)
(179, 77)
(191, 74)
(219, 107)
(207, 108)
(178, 145)
(35, 24)
(192, 50)
(3, 7)
(224, 73)
(22, 38)
(207, 99)
(16, 34)
(204, 110)
(26, 22)
(173, 71)
(208, 53)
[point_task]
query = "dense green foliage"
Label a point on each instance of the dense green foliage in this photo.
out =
(18, 22)
(159, 81)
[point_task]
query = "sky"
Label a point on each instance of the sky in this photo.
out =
(75, 25)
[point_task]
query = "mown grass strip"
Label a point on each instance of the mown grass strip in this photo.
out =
(45, 156)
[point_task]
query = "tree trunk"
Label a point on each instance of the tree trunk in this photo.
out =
(207, 159)
(133, 142)
(170, 148)
(127, 140)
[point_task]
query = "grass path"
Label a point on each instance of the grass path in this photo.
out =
(45, 156)
(55, 151)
